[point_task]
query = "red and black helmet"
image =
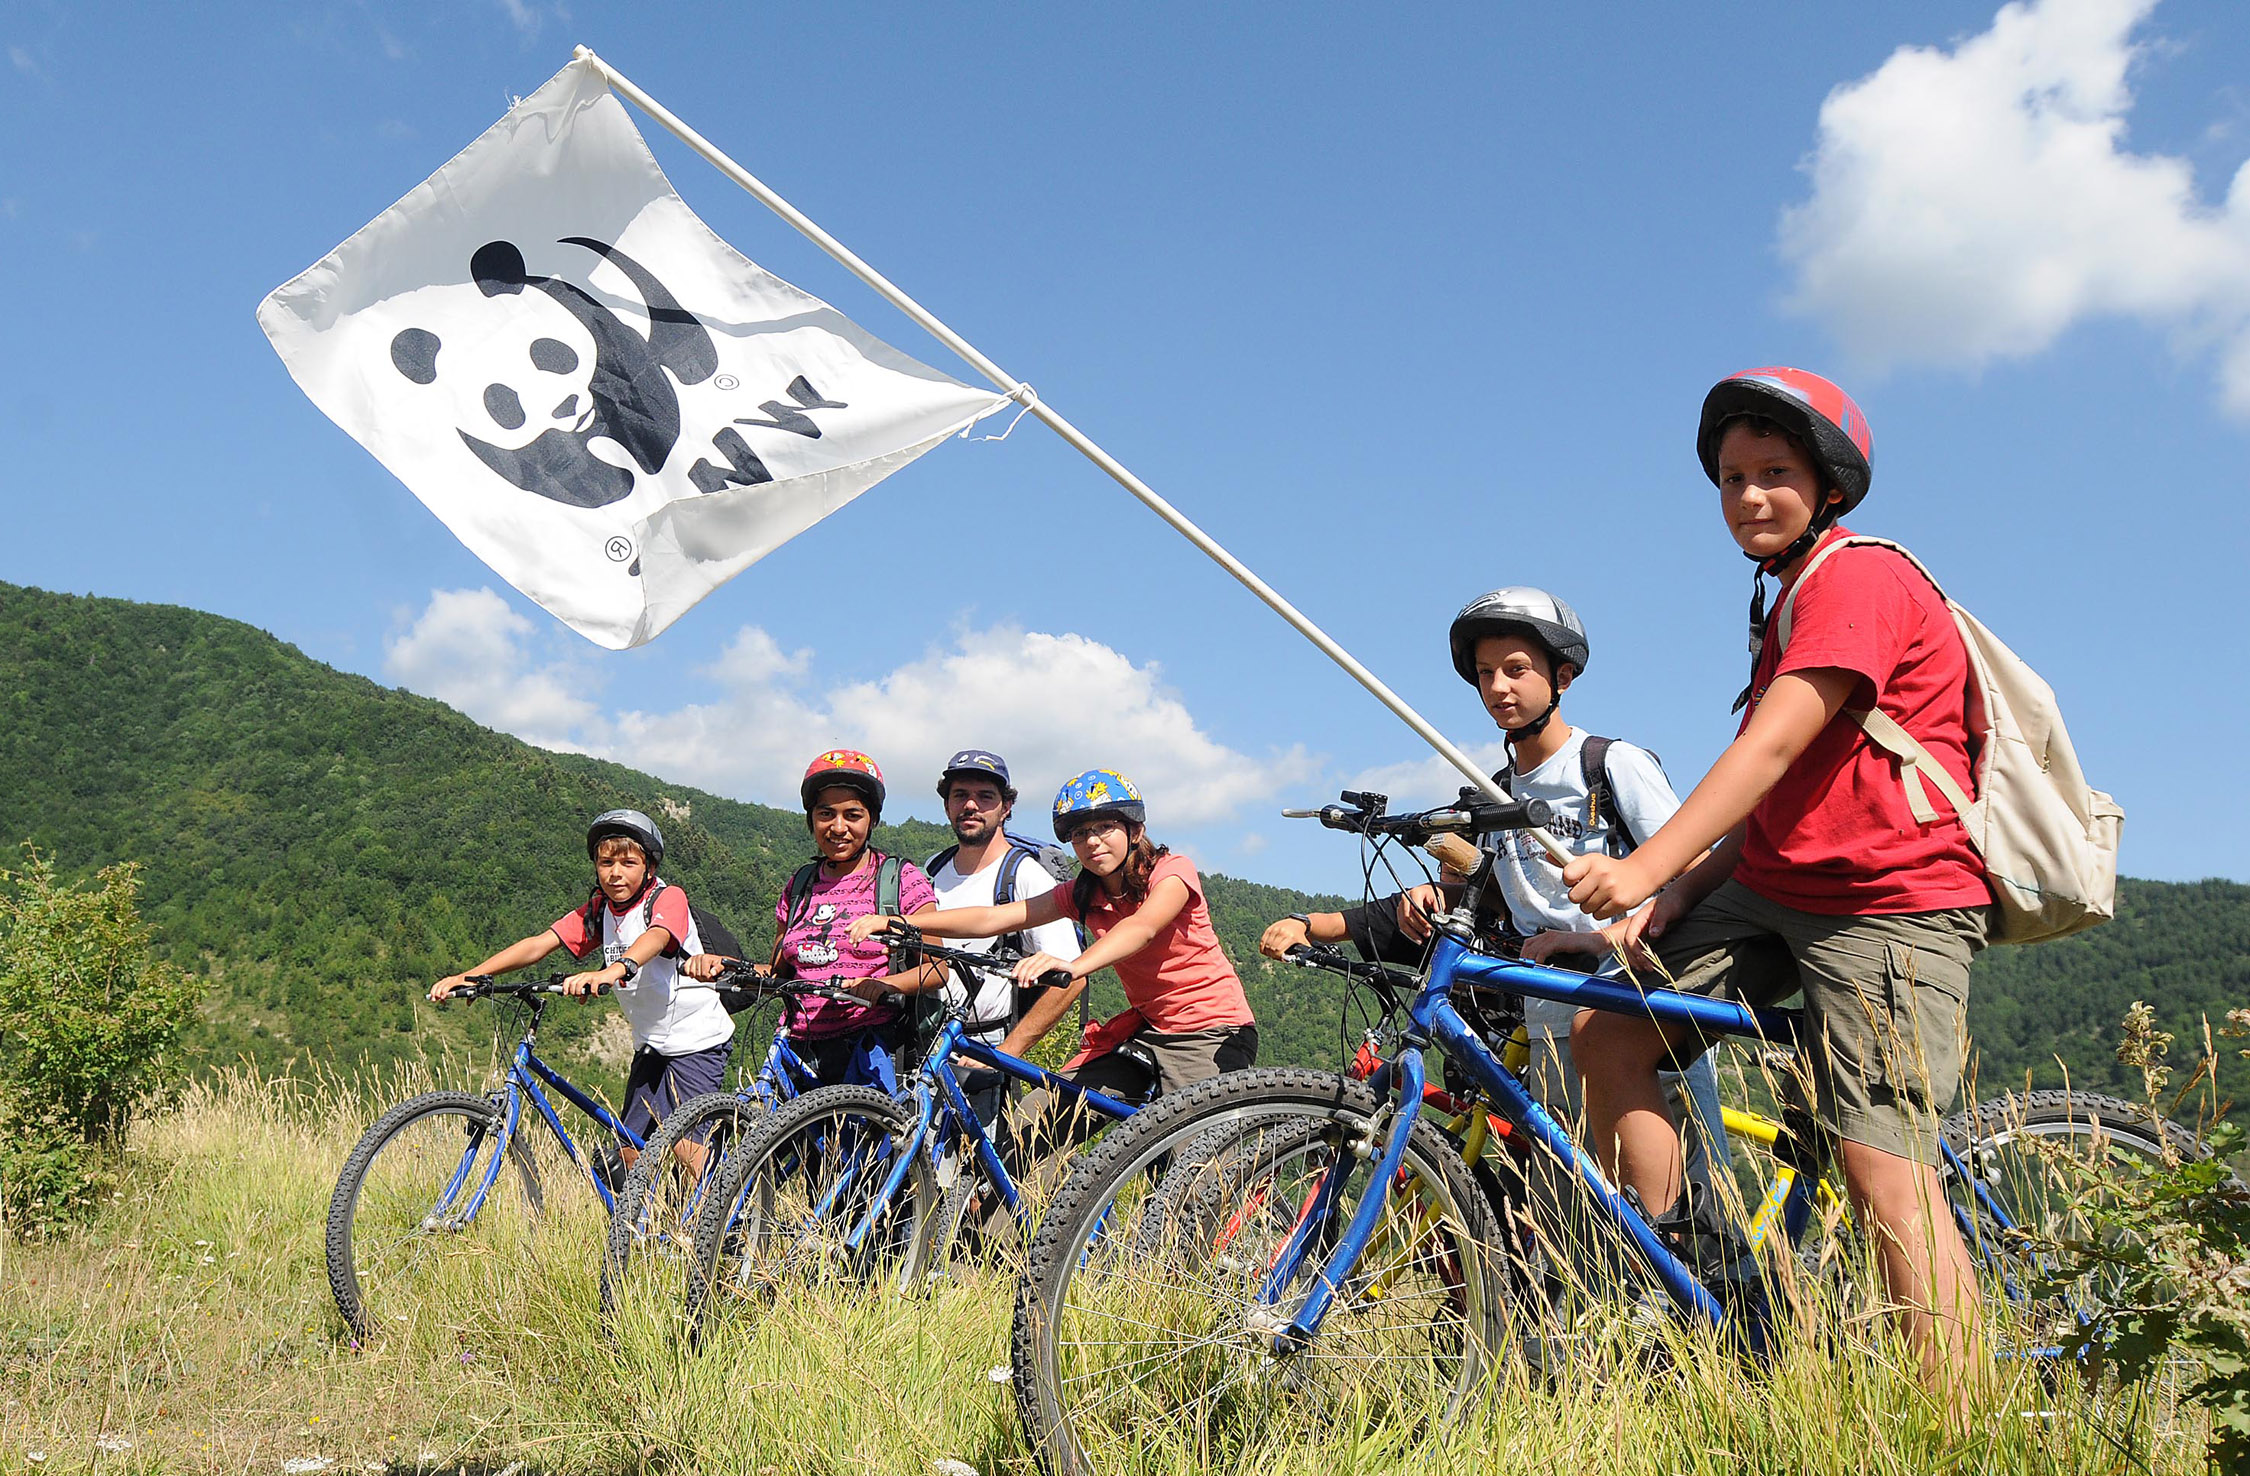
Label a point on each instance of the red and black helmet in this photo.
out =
(844, 768)
(1811, 408)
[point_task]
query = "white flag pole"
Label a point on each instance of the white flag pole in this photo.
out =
(1023, 394)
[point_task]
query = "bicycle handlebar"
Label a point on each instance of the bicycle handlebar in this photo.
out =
(740, 977)
(1362, 814)
(994, 960)
(484, 986)
(1335, 961)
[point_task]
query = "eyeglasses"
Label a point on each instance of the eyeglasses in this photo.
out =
(1101, 825)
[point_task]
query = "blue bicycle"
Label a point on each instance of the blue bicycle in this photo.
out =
(1319, 1249)
(420, 1179)
(652, 1227)
(849, 1182)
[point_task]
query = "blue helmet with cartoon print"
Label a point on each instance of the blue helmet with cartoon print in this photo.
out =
(1097, 792)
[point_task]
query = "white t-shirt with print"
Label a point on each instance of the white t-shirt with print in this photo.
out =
(672, 1021)
(994, 993)
(1533, 885)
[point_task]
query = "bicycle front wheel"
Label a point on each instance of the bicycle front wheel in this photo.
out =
(406, 1200)
(1150, 1324)
(2037, 1165)
(652, 1230)
(808, 1198)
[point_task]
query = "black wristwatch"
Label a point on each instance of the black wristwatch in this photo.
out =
(1303, 918)
(632, 970)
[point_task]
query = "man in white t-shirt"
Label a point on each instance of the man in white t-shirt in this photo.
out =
(984, 867)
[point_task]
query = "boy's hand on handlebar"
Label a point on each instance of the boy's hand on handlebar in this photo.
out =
(1282, 936)
(864, 928)
(446, 986)
(708, 966)
(582, 986)
(1416, 907)
(1607, 886)
(1030, 970)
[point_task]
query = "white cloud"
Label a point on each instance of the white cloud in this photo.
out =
(467, 649)
(1971, 204)
(22, 61)
(1052, 704)
(523, 16)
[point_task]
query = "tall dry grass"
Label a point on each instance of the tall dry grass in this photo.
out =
(190, 1329)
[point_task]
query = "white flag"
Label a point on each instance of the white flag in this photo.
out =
(607, 403)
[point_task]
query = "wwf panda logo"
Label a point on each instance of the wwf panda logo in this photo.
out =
(612, 385)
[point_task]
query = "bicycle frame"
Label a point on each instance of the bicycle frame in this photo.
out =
(525, 1072)
(941, 1104)
(1433, 1020)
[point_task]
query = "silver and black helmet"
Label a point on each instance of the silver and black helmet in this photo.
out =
(1520, 609)
(631, 825)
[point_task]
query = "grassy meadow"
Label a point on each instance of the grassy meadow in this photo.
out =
(190, 1328)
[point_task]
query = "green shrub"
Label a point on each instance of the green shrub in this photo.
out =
(2169, 1241)
(90, 1027)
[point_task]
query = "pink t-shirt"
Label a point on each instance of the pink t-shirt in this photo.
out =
(818, 945)
(1181, 981)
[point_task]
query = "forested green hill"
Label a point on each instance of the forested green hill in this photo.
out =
(321, 847)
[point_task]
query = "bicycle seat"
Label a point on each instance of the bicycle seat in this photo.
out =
(1140, 1055)
(979, 1079)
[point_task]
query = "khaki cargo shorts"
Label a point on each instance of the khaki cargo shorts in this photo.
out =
(1886, 1002)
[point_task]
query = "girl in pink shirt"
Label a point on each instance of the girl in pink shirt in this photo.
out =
(1145, 910)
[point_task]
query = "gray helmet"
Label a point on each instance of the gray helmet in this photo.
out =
(631, 825)
(1523, 610)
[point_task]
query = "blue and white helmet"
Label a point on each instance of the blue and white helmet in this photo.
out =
(1097, 792)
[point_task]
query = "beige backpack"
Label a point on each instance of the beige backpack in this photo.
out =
(2049, 841)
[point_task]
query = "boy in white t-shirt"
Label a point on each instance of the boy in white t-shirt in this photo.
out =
(984, 868)
(643, 927)
(1522, 648)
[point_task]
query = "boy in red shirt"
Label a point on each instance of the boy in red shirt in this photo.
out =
(1819, 877)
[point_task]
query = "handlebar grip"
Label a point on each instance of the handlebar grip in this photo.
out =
(1055, 979)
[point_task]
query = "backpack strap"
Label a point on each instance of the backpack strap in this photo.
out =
(590, 918)
(796, 895)
(1918, 770)
(938, 862)
(1004, 892)
(1601, 795)
(888, 871)
(656, 888)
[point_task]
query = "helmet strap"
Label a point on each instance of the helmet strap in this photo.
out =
(1535, 727)
(1821, 522)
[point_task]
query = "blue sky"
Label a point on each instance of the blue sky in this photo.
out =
(1401, 304)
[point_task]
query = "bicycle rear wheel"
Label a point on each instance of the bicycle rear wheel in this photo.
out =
(802, 1201)
(652, 1230)
(1147, 1324)
(2038, 1161)
(405, 1201)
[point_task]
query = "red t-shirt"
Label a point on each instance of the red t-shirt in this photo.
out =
(1181, 981)
(1835, 835)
